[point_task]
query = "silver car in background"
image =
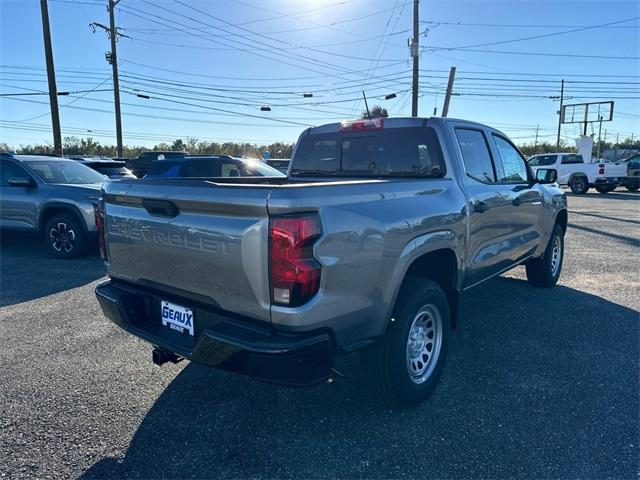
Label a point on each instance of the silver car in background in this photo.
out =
(51, 195)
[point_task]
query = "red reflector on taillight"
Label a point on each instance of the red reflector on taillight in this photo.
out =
(102, 248)
(295, 274)
(359, 125)
(601, 169)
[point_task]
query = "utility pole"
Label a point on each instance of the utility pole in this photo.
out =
(535, 144)
(599, 134)
(447, 98)
(560, 114)
(113, 33)
(366, 105)
(51, 77)
(415, 53)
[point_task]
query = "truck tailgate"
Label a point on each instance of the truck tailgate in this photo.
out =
(192, 238)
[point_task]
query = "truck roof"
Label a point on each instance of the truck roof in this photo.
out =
(396, 122)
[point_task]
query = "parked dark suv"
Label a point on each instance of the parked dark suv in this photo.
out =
(211, 166)
(632, 182)
(114, 169)
(141, 165)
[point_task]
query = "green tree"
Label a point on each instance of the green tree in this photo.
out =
(376, 112)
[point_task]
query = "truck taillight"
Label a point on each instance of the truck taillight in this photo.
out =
(601, 169)
(102, 248)
(295, 274)
(362, 125)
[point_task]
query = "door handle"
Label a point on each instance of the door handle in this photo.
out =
(480, 207)
(161, 208)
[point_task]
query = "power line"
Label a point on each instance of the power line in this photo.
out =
(271, 32)
(545, 54)
(253, 48)
(545, 35)
(266, 37)
(320, 25)
(437, 23)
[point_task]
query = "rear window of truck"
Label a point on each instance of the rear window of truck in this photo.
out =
(572, 159)
(393, 152)
(543, 160)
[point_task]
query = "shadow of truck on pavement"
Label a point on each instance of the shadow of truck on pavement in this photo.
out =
(28, 271)
(539, 383)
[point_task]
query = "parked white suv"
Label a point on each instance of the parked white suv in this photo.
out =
(578, 175)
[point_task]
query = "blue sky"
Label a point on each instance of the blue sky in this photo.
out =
(209, 66)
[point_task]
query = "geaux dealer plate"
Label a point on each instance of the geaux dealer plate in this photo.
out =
(177, 317)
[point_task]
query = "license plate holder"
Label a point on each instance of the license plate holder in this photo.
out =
(177, 317)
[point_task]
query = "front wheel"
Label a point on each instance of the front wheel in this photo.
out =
(545, 271)
(632, 188)
(65, 237)
(404, 367)
(579, 185)
(605, 188)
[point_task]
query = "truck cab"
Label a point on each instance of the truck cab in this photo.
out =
(365, 246)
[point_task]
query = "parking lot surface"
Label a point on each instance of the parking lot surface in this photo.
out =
(539, 383)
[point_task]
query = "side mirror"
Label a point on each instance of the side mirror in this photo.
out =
(546, 175)
(19, 182)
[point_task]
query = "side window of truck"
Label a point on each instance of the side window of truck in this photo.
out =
(572, 159)
(512, 166)
(543, 160)
(475, 154)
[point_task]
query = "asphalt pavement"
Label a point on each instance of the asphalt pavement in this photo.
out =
(540, 383)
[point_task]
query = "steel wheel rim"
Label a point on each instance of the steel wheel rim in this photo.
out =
(424, 343)
(556, 255)
(62, 237)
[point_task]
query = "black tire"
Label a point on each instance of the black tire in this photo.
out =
(632, 188)
(65, 237)
(545, 271)
(605, 188)
(387, 363)
(579, 185)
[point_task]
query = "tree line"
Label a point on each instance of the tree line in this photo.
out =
(90, 147)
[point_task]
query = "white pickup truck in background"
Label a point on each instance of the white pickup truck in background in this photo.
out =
(578, 175)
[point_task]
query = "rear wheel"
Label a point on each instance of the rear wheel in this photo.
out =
(65, 237)
(545, 271)
(404, 367)
(579, 185)
(632, 188)
(605, 188)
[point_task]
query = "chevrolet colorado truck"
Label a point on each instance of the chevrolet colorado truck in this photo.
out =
(366, 246)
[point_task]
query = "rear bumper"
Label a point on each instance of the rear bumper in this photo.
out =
(221, 340)
(608, 181)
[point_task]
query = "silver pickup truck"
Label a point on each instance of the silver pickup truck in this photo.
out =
(365, 246)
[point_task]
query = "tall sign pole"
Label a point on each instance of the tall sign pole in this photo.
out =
(51, 77)
(560, 114)
(116, 84)
(415, 53)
